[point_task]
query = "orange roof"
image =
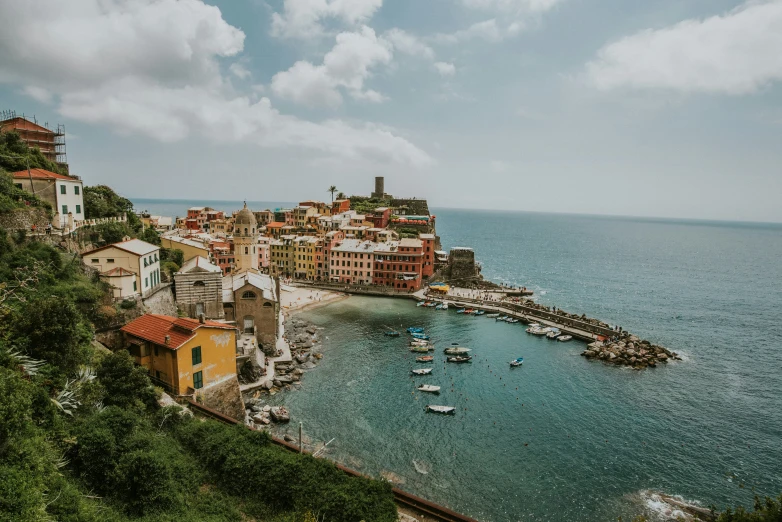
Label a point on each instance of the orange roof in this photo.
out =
(155, 328)
(41, 174)
(275, 224)
(24, 124)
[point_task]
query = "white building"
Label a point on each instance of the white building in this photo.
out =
(64, 193)
(134, 255)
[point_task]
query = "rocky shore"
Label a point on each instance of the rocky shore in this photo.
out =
(630, 351)
(305, 345)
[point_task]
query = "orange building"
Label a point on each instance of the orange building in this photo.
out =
(50, 143)
(183, 355)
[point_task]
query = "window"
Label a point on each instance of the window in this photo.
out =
(18, 185)
(199, 309)
(198, 380)
(64, 209)
(94, 260)
(134, 287)
(76, 191)
(109, 261)
(62, 189)
(199, 283)
(196, 355)
(78, 209)
(249, 295)
(146, 282)
(156, 351)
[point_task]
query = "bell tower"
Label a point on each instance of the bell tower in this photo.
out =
(245, 240)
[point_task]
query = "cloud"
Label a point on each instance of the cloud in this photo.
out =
(487, 30)
(239, 70)
(512, 6)
(407, 43)
(445, 69)
(151, 67)
(346, 66)
(734, 53)
(38, 93)
(303, 18)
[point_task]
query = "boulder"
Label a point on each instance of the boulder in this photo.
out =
(256, 408)
(283, 379)
(308, 365)
(267, 409)
(267, 385)
(298, 371)
(303, 357)
(611, 356)
(277, 383)
(312, 330)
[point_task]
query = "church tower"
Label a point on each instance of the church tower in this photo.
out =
(245, 240)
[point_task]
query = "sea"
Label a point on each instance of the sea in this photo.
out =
(563, 438)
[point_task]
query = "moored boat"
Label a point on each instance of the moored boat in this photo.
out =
(457, 350)
(421, 336)
(445, 306)
(479, 312)
(511, 320)
(445, 410)
(439, 307)
(429, 388)
(425, 358)
(392, 333)
(461, 311)
(419, 342)
(420, 303)
(564, 338)
(415, 329)
(501, 318)
(419, 349)
(553, 334)
(493, 316)
(516, 362)
(422, 371)
(459, 359)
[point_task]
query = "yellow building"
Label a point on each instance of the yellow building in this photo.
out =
(307, 254)
(282, 256)
(183, 355)
(190, 247)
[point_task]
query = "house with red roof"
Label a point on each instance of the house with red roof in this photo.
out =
(64, 193)
(188, 358)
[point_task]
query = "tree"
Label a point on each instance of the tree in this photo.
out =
(126, 384)
(113, 232)
(102, 202)
(150, 235)
(52, 329)
(332, 189)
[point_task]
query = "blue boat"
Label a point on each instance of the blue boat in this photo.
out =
(415, 329)
(516, 362)
(420, 336)
(438, 307)
(460, 311)
(392, 333)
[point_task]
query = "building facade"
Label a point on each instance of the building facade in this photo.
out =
(250, 299)
(199, 289)
(64, 193)
(134, 255)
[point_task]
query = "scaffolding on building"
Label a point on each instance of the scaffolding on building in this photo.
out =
(50, 142)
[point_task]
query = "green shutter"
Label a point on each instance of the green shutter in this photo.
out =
(196, 355)
(198, 380)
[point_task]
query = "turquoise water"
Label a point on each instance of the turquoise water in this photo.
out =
(588, 438)
(578, 440)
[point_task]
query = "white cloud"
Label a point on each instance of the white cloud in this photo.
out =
(445, 69)
(239, 70)
(738, 52)
(407, 43)
(150, 67)
(512, 6)
(303, 18)
(487, 30)
(347, 65)
(38, 93)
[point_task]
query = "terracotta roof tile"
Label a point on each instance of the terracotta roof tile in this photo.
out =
(155, 328)
(41, 174)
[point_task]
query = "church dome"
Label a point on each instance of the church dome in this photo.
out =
(245, 218)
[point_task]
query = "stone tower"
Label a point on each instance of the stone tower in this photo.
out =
(380, 190)
(245, 240)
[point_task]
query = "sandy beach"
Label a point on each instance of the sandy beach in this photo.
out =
(296, 299)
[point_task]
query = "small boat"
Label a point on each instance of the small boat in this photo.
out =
(479, 312)
(445, 306)
(419, 349)
(415, 329)
(534, 325)
(445, 410)
(469, 311)
(419, 342)
(420, 303)
(511, 320)
(425, 358)
(516, 362)
(461, 311)
(420, 336)
(438, 307)
(457, 350)
(564, 338)
(422, 371)
(553, 334)
(392, 333)
(459, 359)
(493, 316)
(429, 388)
(501, 318)
(431, 305)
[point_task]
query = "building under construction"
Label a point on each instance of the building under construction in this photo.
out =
(50, 142)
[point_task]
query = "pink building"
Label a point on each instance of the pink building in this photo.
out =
(351, 261)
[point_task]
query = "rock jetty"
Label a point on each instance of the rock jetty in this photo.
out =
(630, 351)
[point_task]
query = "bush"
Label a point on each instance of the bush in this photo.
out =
(128, 304)
(127, 385)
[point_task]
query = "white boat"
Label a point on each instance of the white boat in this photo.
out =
(511, 320)
(429, 388)
(445, 410)
(456, 350)
(534, 325)
(422, 371)
(564, 338)
(538, 331)
(493, 316)
(445, 306)
(517, 362)
(419, 342)
(553, 334)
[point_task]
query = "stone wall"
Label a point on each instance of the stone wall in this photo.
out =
(161, 302)
(24, 219)
(223, 396)
(414, 207)
(205, 288)
(461, 265)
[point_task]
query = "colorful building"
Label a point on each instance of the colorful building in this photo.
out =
(64, 193)
(134, 255)
(351, 261)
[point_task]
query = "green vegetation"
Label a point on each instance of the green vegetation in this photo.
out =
(82, 438)
(332, 189)
(15, 155)
(365, 205)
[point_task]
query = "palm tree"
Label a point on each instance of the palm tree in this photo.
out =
(341, 195)
(332, 189)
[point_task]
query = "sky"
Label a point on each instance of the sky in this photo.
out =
(626, 107)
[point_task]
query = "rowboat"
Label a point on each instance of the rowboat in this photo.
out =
(445, 306)
(424, 358)
(420, 303)
(501, 318)
(516, 362)
(429, 388)
(479, 312)
(456, 350)
(415, 329)
(419, 349)
(511, 320)
(392, 333)
(460, 311)
(564, 338)
(445, 410)
(420, 336)
(469, 311)
(419, 342)
(422, 371)
(459, 359)
(493, 316)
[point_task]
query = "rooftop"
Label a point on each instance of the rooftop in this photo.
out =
(41, 174)
(199, 262)
(134, 246)
(117, 272)
(233, 282)
(355, 245)
(154, 328)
